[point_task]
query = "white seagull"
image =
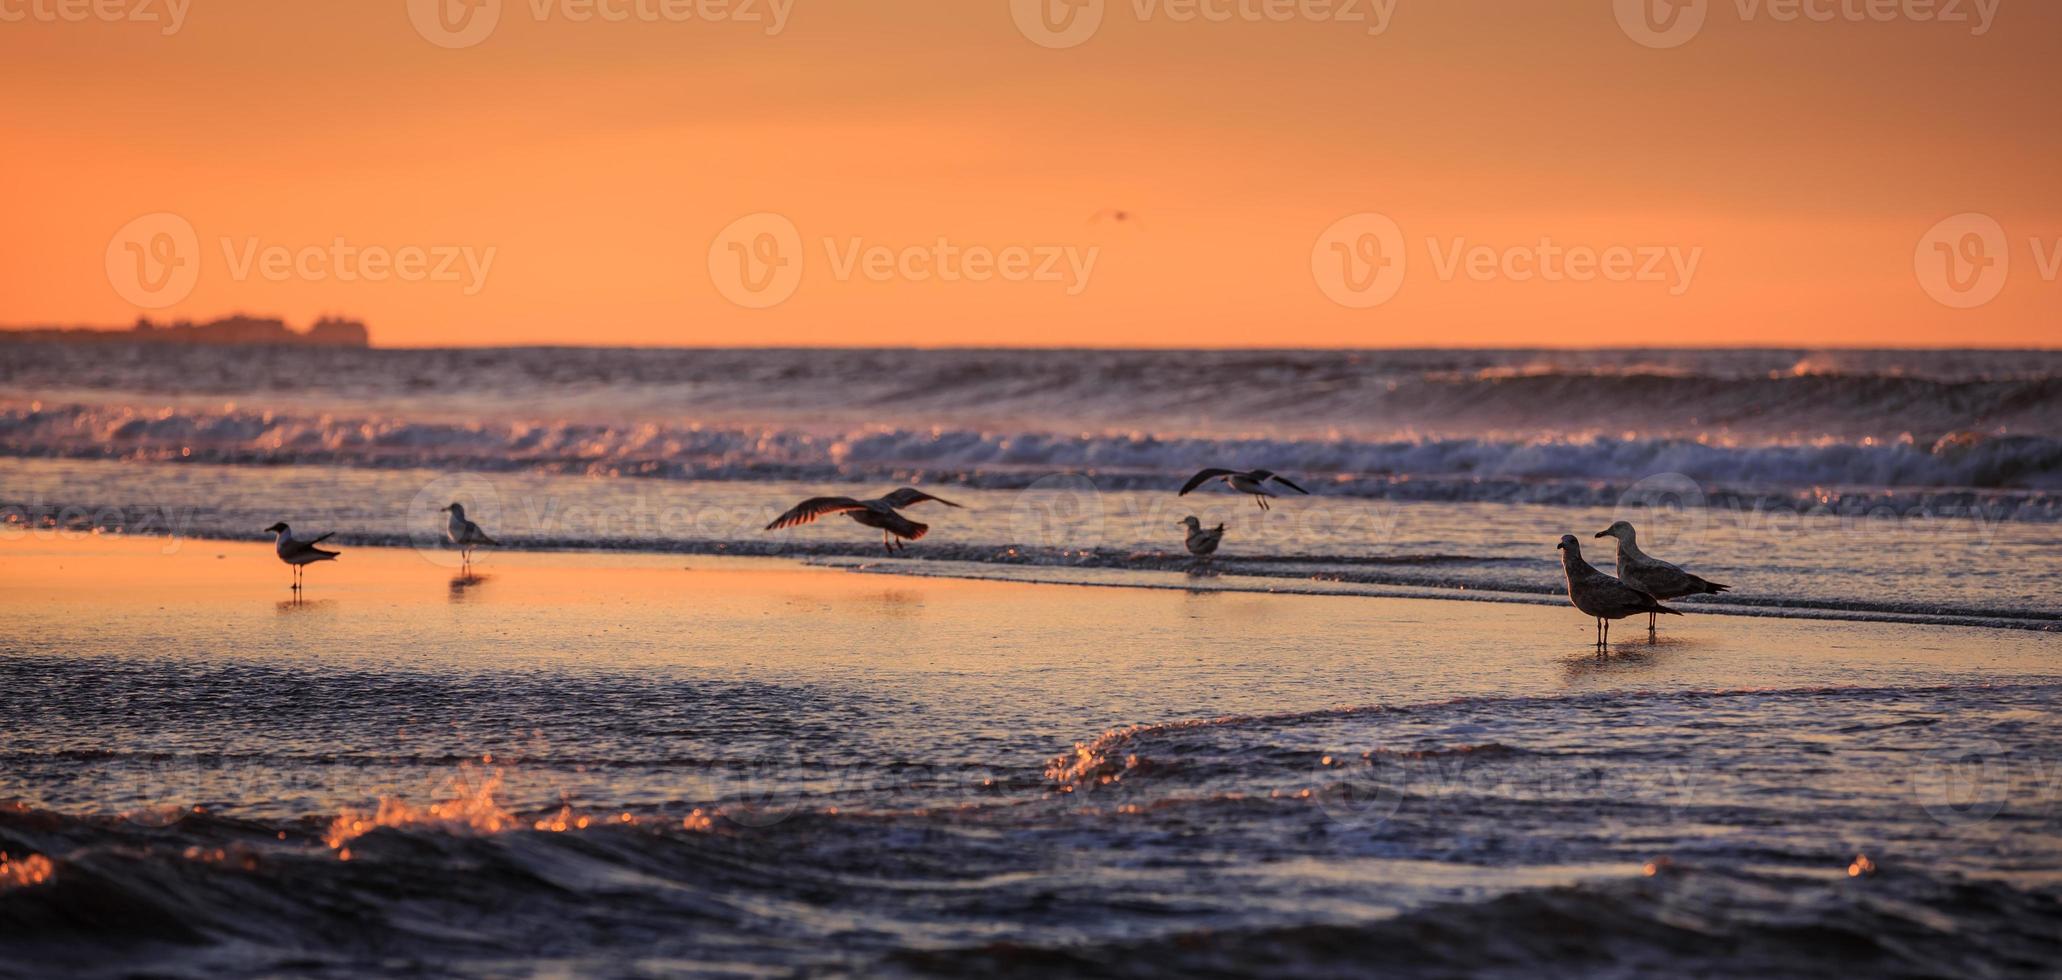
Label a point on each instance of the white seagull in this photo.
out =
(1600, 595)
(1651, 575)
(463, 533)
(1202, 544)
(298, 553)
(1250, 481)
(879, 512)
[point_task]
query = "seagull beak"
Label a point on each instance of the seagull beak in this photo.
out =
(1602, 534)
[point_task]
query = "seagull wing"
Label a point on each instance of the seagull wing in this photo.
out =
(1284, 481)
(813, 508)
(318, 539)
(908, 496)
(296, 547)
(1201, 478)
(475, 535)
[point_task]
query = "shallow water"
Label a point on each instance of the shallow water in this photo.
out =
(785, 768)
(1897, 561)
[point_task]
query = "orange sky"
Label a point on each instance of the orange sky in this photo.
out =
(1800, 165)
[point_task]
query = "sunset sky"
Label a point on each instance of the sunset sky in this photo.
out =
(1786, 176)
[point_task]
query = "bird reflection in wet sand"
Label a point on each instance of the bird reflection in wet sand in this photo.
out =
(464, 581)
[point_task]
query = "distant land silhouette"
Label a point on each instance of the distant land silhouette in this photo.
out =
(236, 328)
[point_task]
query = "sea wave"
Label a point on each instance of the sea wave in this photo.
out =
(1451, 468)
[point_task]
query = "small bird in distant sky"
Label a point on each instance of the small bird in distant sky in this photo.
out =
(1201, 543)
(297, 553)
(879, 512)
(1603, 597)
(1250, 481)
(464, 533)
(1118, 215)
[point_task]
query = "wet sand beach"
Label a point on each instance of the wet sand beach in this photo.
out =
(594, 761)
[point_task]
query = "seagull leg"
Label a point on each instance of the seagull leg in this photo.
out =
(1651, 617)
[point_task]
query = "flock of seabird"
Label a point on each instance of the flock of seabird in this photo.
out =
(1641, 584)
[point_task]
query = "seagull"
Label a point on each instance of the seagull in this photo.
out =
(1252, 481)
(1202, 544)
(1653, 576)
(299, 553)
(880, 513)
(463, 533)
(1599, 594)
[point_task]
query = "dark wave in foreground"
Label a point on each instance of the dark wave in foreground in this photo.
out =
(1666, 924)
(202, 896)
(1718, 837)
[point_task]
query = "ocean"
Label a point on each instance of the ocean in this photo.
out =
(645, 737)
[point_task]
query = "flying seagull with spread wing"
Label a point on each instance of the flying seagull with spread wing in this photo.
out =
(1250, 481)
(880, 512)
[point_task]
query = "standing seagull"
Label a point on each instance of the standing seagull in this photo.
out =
(1251, 481)
(297, 553)
(463, 533)
(880, 513)
(1599, 594)
(1653, 576)
(1202, 544)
